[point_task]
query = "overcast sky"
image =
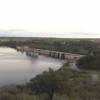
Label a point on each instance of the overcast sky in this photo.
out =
(50, 18)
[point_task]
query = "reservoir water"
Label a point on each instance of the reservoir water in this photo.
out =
(16, 66)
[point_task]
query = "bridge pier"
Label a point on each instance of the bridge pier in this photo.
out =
(66, 55)
(53, 54)
(35, 53)
(18, 48)
(29, 53)
(56, 54)
(61, 55)
(70, 57)
(48, 53)
(32, 54)
(39, 51)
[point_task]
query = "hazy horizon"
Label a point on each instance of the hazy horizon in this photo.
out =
(25, 33)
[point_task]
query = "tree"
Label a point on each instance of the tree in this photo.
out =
(49, 82)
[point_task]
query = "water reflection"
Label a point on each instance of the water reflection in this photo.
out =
(16, 66)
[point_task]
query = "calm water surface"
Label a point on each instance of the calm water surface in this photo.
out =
(16, 66)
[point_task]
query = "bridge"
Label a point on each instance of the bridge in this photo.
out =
(54, 54)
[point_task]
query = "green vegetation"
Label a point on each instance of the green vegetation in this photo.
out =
(79, 46)
(66, 84)
(89, 62)
(12, 92)
(73, 74)
(48, 82)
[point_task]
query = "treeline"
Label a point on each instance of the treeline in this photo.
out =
(89, 62)
(80, 47)
(11, 44)
(63, 45)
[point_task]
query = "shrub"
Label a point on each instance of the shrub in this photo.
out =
(5, 96)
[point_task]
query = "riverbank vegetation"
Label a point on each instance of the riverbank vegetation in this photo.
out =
(89, 62)
(64, 84)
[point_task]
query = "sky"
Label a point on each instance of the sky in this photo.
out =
(50, 18)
